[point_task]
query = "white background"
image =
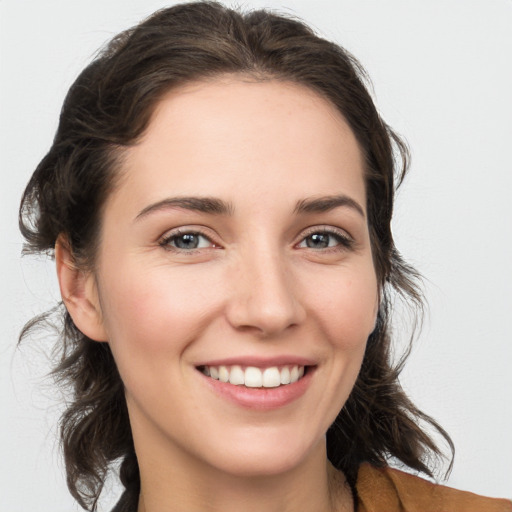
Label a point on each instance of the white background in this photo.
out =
(443, 78)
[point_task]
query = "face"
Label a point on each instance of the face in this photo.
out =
(235, 276)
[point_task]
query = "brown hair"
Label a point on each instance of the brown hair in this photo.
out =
(107, 109)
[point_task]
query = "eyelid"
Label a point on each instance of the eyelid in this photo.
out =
(165, 239)
(348, 240)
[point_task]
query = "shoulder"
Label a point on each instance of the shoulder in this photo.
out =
(390, 490)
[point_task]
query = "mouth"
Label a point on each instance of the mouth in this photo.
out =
(255, 377)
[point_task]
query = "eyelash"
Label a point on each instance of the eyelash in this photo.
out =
(344, 242)
(168, 239)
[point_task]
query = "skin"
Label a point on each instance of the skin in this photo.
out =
(255, 286)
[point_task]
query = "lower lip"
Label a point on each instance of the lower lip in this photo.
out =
(261, 398)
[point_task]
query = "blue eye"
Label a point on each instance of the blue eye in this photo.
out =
(186, 241)
(325, 240)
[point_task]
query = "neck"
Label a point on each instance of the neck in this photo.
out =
(313, 486)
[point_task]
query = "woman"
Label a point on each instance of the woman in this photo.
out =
(219, 196)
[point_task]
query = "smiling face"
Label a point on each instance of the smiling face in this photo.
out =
(236, 247)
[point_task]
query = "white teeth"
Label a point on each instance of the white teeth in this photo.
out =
(285, 375)
(253, 377)
(236, 376)
(271, 377)
(223, 374)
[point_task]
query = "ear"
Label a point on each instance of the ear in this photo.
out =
(79, 293)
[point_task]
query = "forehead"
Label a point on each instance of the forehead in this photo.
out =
(235, 138)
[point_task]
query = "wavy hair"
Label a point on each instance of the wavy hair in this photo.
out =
(106, 110)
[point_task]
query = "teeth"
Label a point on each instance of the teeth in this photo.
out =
(253, 377)
(271, 377)
(285, 375)
(223, 374)
(236, 376)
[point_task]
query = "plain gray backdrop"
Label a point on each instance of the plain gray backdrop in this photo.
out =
(442, 77)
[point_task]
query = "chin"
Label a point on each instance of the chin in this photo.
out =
(262, 458)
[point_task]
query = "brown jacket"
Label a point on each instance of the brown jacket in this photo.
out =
(391, 490)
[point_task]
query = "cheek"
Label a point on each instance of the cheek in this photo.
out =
(346, 308)
(155, 311)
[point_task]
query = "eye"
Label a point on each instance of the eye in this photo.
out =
(186, 241)
(326, 239)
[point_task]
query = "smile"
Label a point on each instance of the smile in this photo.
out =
(254, 377)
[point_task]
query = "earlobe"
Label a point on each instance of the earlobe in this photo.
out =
(79, 293)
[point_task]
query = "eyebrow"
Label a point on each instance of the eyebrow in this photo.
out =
(215, 206)
(210, 205)
(327, 203)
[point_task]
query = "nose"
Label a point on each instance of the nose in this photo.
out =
(264, 297)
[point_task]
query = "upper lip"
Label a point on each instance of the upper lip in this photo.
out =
(259, 362)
